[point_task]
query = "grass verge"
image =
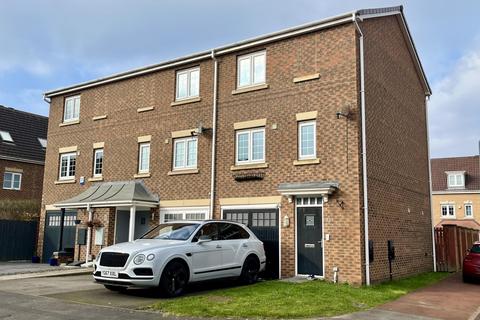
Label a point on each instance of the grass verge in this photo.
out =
(279, 299)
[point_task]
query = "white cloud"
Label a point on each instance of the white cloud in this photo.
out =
(454, 109)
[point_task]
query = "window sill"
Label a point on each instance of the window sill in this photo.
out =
(11, 189)
(185, 101)
(65, 181)
(142, 175)
(308, 77)
(102, 117)
(251, 88)
(306, 162)
(180, 172)
(140, 110)
(69, 123)
(93, 179)
(249, 166)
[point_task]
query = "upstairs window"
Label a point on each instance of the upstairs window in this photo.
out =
(188, 83)
(12, 180)
(185, 153)
(250, 146)
(307, 140)
(6, 137)
(468, 210)
(144, 158)
(67, 165)
(43, 142)
(456, 179)
(448, 210)
(97, 162)
(71, 111)
(251, 69)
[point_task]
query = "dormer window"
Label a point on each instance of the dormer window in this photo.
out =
(6, 137)
(455, 179)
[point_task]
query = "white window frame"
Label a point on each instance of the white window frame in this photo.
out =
(69, 156)
(250, 132)
(140, 154)
(304, 124)
(189, 77)
(5, 136)
(465, 205)
(185, 159)
(455, 175)
(74, 117)
(447, 205)
(251, 57)
(12, 182)
(182, 212)
(99, 150)
(43, 142)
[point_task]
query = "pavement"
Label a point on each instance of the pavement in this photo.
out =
(22, 270)
(78, 297)
(9, 268)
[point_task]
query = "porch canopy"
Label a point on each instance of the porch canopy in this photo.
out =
(324, 188)
(130, 194)
(112, 194)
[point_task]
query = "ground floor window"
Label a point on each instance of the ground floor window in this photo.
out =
(468, 210)
(174, 214)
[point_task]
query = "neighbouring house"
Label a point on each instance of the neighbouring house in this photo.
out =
(456, 191)
(314, 136)
(23, 140)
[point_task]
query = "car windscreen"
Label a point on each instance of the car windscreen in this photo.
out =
(171, 231)
(475, 249)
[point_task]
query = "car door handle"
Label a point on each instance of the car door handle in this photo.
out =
(219, 246)
(245, 245)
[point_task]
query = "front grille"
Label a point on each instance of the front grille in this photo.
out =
(113, 259)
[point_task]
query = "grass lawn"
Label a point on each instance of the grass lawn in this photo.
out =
(278, 299)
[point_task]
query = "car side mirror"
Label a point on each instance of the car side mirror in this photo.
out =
(203, 239)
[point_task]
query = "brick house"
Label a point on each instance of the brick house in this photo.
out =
(456, 191)
(267, 132)
(22, 156)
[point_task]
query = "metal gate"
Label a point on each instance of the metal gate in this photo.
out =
(52, 233)
(17, 239)
(264, 223)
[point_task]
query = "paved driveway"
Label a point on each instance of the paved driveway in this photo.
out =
(7, 268)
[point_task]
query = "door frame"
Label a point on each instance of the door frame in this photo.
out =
(296, 233)
(263, 206)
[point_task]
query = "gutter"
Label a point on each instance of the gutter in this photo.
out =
(364, 152)
(214, 133)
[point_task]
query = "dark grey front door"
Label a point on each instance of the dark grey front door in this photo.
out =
(309, 241)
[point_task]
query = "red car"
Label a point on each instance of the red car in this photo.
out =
(471, 264)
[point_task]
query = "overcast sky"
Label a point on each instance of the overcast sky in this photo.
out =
(51, 44)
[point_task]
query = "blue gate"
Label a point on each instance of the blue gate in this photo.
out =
(17, 239)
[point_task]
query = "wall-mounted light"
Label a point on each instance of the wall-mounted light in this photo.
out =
(345, 112)
(286, 221)
(341, 204)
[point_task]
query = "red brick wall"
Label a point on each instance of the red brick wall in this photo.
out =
(397, 159)
(31, 185)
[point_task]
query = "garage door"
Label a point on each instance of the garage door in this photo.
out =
(264, 224)
(52, 233)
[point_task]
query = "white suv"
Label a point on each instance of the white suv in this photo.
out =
(173, 254)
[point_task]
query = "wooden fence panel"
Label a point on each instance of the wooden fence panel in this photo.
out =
(17, 239)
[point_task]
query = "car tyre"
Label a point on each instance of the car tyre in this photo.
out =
(174, 279)
(250, 270)
(115, 288)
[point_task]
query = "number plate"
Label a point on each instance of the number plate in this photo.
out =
(109, 274)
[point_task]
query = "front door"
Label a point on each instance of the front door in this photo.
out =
(309, 241)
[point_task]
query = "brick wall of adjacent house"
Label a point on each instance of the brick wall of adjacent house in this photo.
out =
(31, 184)
(397, 158)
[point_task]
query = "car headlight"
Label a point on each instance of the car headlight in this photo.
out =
(139, 259)
(150, 257)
